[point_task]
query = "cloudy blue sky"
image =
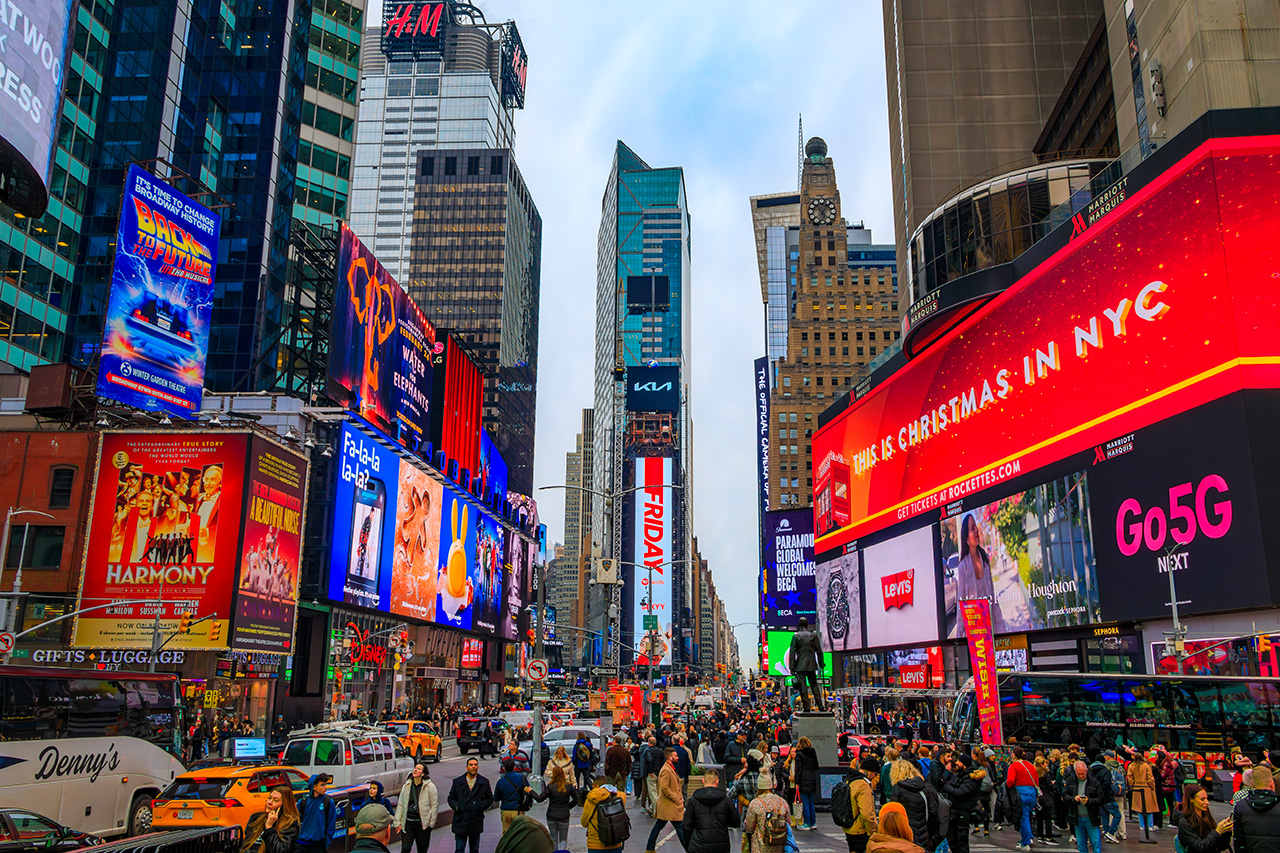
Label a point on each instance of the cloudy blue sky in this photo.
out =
(716, 87)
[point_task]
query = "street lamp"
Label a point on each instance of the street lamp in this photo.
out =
(649, 602)
(4, 549)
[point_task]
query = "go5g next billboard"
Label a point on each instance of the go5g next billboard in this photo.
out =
(1165, 304)
(156, 329)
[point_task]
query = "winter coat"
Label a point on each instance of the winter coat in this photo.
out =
(588, 819)
(1193, 842)
(469, 803)
(881, 843)
(1092, 789)
(1166, 780)
(733, 755)
(708, 817)
(922, 816)
(864, 806)
(617, 761)
(579, 762)
(561, 802)
(756, 820)
(806, 767)
(937, 774)
(962, 787)
(566, 764)
(510, 791)
(719, 750)
(670, 805)
(1257, 823)
(258, 838)
(428, 804)
(1140, 778)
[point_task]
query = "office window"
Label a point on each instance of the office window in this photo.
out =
(473, 165)
(451, 165)
(40, 546)
(61, 481)
(495, 165)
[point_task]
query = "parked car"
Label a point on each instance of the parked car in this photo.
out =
(566, 736)
(351, 753)
(418, 738)
(221, 796)
(24, 831)
(483, 734)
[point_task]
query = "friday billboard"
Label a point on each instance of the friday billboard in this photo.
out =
(156, 328)
(789, 586)
(1093, 343)
(652, 556)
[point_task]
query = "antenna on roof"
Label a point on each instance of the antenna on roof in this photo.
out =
(800, 153)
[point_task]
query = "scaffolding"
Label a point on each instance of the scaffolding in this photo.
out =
(856, 695)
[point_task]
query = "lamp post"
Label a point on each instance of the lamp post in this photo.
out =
(649, 602)
(4, 549)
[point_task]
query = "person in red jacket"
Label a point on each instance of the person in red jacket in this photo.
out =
(1023, 779)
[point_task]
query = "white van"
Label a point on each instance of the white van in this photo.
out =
(351, 753)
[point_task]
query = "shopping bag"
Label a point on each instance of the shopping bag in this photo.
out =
(797, 811)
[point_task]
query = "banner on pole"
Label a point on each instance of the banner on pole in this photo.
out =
(977, 625)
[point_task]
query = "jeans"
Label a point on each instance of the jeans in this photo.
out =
(1086, 832)
(809, 813)
(559, 830)
(658, 827)
(1147, 821)
(1110, 817)
(1027, 795)
(460, 843)
(958, 832)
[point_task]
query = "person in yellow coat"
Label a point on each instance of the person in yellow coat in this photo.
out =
(670, 805)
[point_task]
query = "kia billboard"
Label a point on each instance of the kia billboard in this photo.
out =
(839, 603)
(1030, 554)
(652, 556)
(901, 591)
(788, 569)
(381, 347)
(156, 326)
(270, 551)
(165, 528)
(1166, 303)
(653, 388)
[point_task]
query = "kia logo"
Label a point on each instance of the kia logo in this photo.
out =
(651, 386)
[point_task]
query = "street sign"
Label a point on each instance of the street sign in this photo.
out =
(650, 622)
(538, 669)
(542, 695)
(604, 671)
(6, 642)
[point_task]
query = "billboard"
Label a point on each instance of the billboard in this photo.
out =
(270, 551)
(413, 29)
(156, 328)
(457, 392)
(839, 603)
(417, 544)
(778, 657)
(652, 555)
(789, 590)
(521, 554)
(493, 469)
(34, 62)
(515, 68)
(1029, 554)
(1092, 344)
(382, 370)
(165, 526)
(364, 511)
(653, 389)
(762, 432)
(901, 598)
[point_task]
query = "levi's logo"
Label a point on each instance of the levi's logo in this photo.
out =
(898, 588)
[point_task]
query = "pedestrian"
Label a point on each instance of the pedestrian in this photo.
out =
(1083, 796)
(1197, 832)
(1141, 781)
(1025, 781)
(861, 815)
(893, 832)
(617, 763)
(807, 781)
(669, 807)
(280, 730)
(526, 835)
(470, 797)
(511, 792)
(373, 829)
(562, 760)
(962, 785)
(318, 816)
(373, 794)
(583, 761)
(600, 798)
(276, 829)
(1113, 830)
(767, 818)
(416, 810)
(561, 796)
(1256, 819)
(1047, 802)
(708, 816)
(918, 798)
(653, 761)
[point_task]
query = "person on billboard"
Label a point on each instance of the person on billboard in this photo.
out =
(208, 504)
(973, 575)
(806, 659)
(141, 526)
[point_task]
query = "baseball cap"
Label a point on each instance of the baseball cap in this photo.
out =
(372, 819)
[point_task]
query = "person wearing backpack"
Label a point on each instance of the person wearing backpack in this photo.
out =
(1113, 830)
(318, 816)
(853, 805)
(582, 763)
(962, 785)
(604, 814)
(767, 819)
(919, 802)
(708, 816)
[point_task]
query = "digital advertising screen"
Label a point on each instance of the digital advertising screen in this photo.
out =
(1093, 344)
(493, 573)
(778, 652)
(364, 511)
(653, 388)
(652, 556)
(900, 583)
(1030, 554)
(417, 544)
(165, 525)
(458, 581)
(383, 368)
(789, 591)
(521, 553)
(35, 60)
(156, 329)
(493, 469)
(839, 603)
(267, 590)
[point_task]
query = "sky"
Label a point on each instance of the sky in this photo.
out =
(717, 88)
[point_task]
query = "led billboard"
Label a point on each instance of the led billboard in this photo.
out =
(778, 656)
(417, 544)
(493, 468)
(653, 389)
(839, 603)
(156, 328)
(270, 550)
(165, 527)
(901, 592)
(458, 391)
(789, 591)
(1094, 343)
(414, 29)
(652, 555)
(364, 511)
(381, 347)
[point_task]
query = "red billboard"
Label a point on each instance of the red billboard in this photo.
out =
(165, 528)
(460, 414)
(1166, 303)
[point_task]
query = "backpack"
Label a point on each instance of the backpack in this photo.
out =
(582, 753)
(942, 808)
(612, 823)
(842, 805)
(773, 831)
(1117, 782)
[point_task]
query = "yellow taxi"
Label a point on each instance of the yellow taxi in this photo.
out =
(220, 796)
(417, 737)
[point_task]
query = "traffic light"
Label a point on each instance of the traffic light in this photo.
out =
(215, 630)
(404, 639)
(1264, 645)
(184, 622)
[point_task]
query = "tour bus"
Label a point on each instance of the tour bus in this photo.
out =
(88, 749)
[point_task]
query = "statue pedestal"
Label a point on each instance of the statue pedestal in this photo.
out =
(820, 728)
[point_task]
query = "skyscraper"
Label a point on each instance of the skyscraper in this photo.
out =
(642, 342)
(566, 589)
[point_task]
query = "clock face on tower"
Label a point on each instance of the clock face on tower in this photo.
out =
(822, 211)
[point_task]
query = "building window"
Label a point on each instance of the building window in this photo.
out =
(793, 417)
(428, 165)
(43, 546)
(451, 166)
(786, 381)
(60, 482)
(495, 165)
(473, 165)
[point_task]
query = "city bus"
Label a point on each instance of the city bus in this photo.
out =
(88, 749)
(1198, 718)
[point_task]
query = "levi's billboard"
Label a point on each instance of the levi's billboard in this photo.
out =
(1167, 303)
